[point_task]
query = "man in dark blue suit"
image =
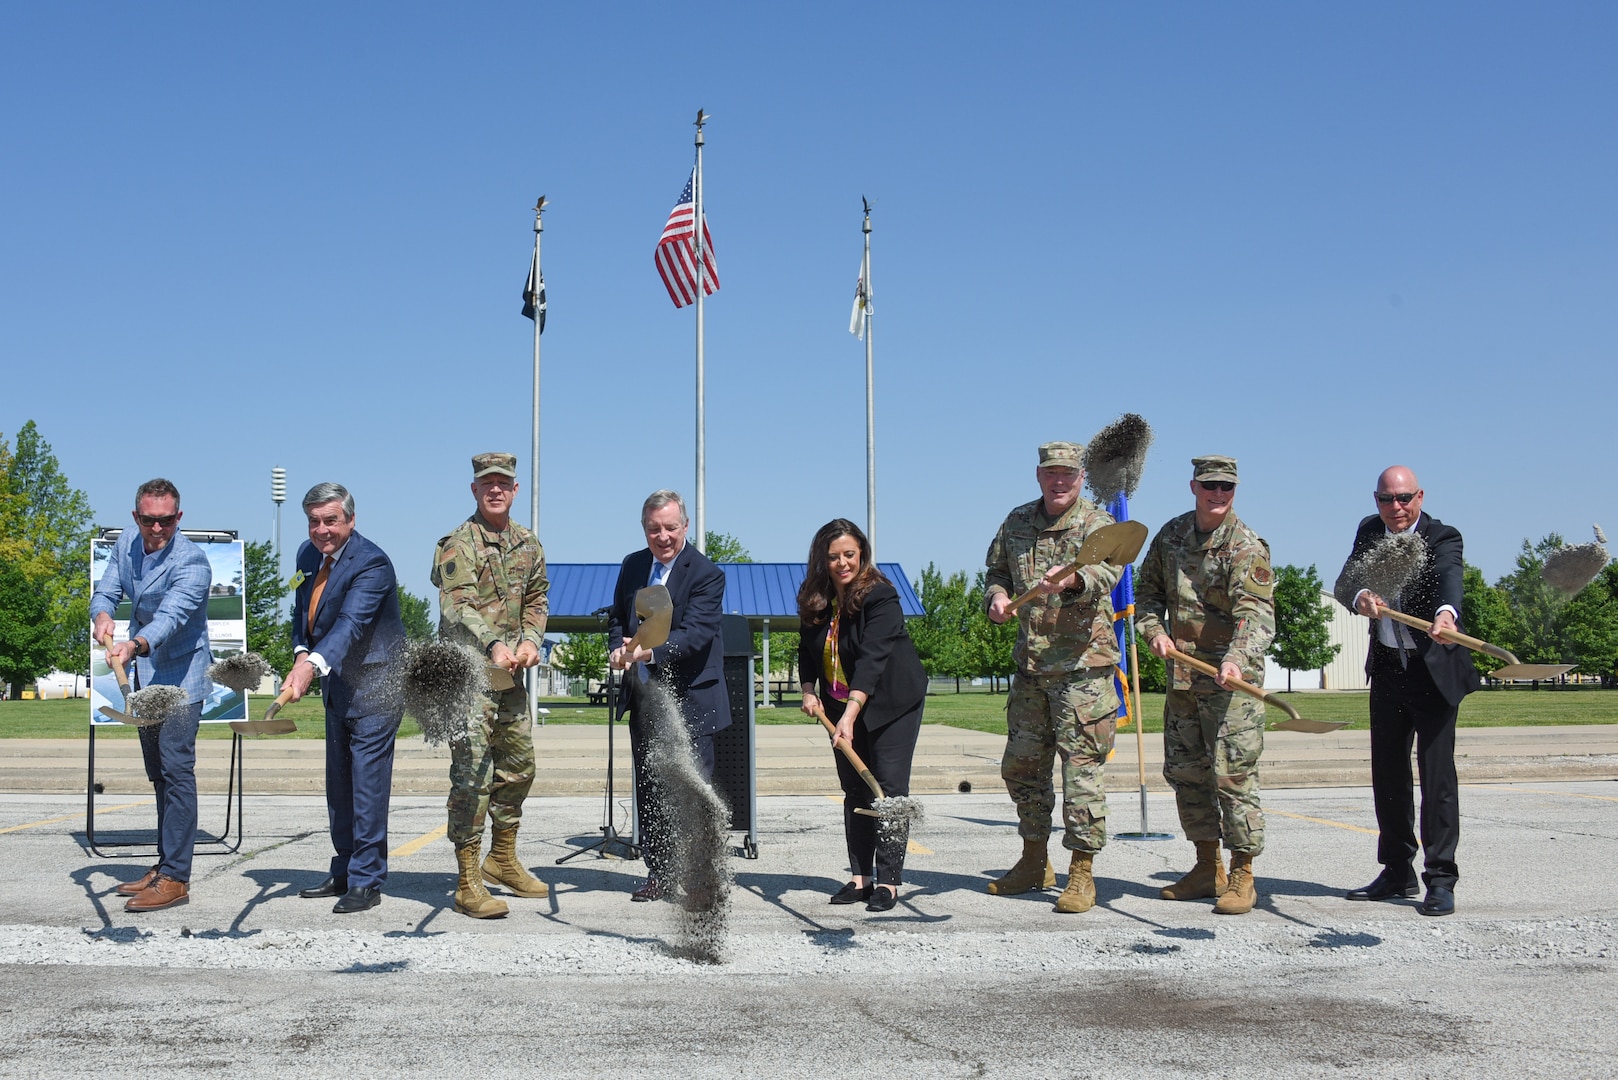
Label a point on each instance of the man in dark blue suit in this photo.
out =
(346, 629)
(690, 664)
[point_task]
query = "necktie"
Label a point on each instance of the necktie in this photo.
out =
(659, 572)
(320, 587)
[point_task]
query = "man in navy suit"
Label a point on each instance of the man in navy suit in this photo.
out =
(690, 664)
(165, 577)
(346, 629)
(1417, 683)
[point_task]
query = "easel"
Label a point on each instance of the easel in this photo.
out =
(204, 845)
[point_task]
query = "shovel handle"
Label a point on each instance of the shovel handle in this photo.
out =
(117, 669)
(848, 752)
(1070, 568)
(1475, 644)
(275, 706)
(1240, 684)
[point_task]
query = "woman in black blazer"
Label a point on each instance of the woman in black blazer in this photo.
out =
(856, 660)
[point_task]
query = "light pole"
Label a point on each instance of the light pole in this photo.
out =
(278, 495)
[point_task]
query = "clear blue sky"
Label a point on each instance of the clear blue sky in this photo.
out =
(1322, 238)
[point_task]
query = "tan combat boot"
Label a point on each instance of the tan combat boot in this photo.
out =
(1080, 894)
(1032, 871)
(471, 898)
(1241, 894)
(503, 868)
(1205, 879)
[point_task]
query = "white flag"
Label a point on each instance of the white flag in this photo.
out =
(862, 302)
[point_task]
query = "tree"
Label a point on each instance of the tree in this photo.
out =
(723, 547)
(1486, 613)
(1589, 627)
(1154, 673)
(942, 636)
(582, 656)
(1302, 622)
(993, 646)
(414, 611)
(45, 533)
(269, 629)
(28, 639)
(1535, 606)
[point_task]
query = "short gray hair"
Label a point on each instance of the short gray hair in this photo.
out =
(326, 492)
(659, 499)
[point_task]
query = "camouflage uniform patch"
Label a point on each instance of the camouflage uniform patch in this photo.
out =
(492, 589)
(1062, 701)
(1213, 595)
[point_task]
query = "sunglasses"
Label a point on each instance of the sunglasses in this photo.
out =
(1217, 485)
(157, 522)
(1403, 498)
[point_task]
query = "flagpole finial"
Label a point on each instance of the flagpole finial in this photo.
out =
(702, 118)
(539, 208)
(866, 227)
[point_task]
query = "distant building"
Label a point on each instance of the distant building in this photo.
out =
(1347, 671)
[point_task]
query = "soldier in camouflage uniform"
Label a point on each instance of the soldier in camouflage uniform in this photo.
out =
(1062, 701)
(490, 574)
(1206, 588)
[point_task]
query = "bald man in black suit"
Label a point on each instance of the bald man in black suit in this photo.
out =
(1417, 683)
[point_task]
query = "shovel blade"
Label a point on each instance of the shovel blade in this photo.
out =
(1116, 544)
(1314, 727)
(268, 726)
(500, 679)
(1530, 672)
(122, 717)
(655, 607)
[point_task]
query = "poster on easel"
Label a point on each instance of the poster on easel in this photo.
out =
(227, 623)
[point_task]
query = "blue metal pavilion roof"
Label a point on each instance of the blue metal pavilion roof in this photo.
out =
(757, 591)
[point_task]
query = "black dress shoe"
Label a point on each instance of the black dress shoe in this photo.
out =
(851, 894)
(1439, 901)
(651, 890)
(1389, 884)
(883, 898)
(358, 900)
(330, 887)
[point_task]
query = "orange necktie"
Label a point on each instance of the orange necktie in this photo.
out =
(320, 587)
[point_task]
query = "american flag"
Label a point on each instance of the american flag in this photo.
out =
(675, 262)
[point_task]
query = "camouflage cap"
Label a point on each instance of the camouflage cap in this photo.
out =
(1213, 467)
(1061, 455)
(487, 464)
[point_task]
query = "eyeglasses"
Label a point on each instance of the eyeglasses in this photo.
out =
(1403, 498)
(157, 522)
(1217, 485)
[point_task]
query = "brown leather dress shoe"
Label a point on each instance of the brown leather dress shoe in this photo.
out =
(163, 892)
(130, 888)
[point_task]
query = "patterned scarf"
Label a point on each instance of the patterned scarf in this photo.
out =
(831, 660)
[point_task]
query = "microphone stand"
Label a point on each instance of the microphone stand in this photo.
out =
(609, 832)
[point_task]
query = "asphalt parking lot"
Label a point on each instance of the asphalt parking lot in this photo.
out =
(250, 979)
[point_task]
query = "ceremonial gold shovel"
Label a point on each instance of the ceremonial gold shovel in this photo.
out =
(1116, 544)
(500, 679)
(123, 685)
(854, 760)
(269, 725)
(655, 607)
(1293, 722)
(1514, 670)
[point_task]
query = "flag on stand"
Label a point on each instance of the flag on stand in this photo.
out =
(533, 294)
(676, 262)
(862, 301)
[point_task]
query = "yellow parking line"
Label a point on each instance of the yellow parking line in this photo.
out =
(1537, 791)
(1323, 821)
(70, 817)
(418, 843)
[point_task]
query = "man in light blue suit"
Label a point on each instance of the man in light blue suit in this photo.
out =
(346, 629)
(165, 577)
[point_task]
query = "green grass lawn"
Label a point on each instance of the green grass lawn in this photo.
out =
(976, 710)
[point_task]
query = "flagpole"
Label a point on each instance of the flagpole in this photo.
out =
(533, 452)
(870, 399)
(702, 447)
